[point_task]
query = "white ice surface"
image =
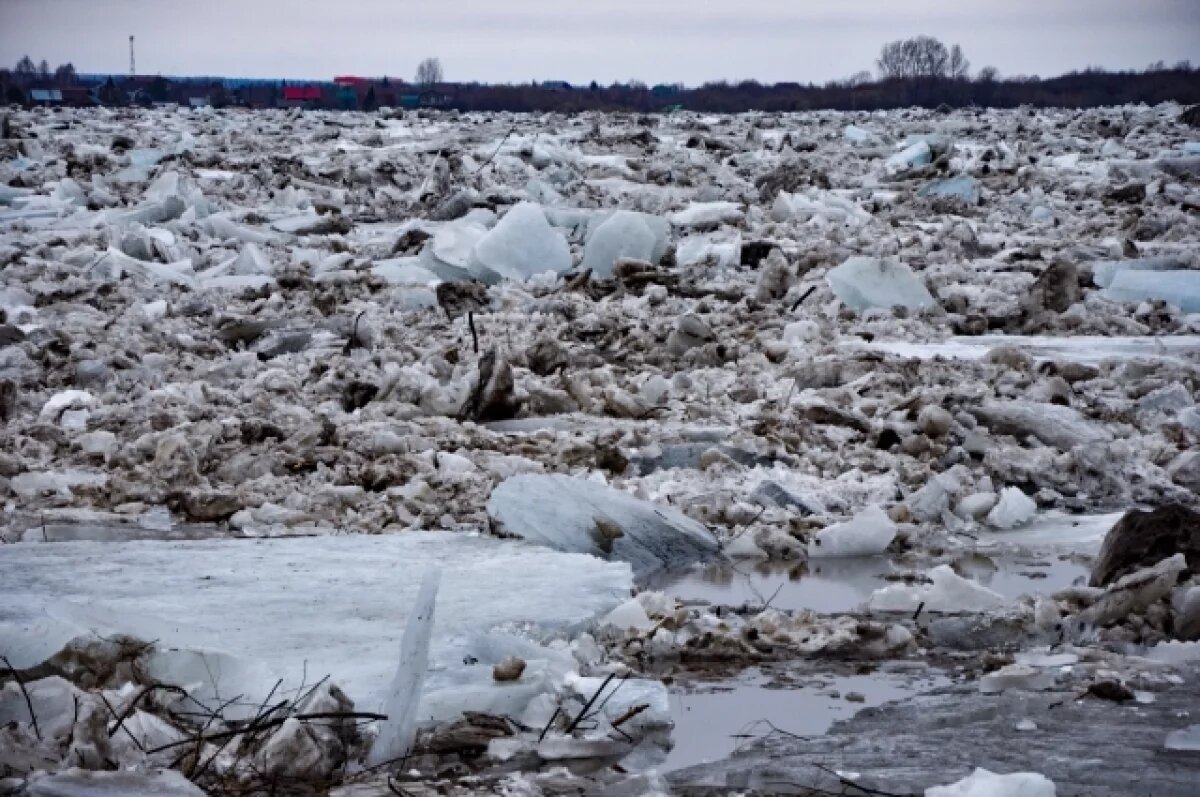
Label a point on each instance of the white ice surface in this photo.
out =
(866, 534)
(1088, 349)
(982, 783)
(949, 592)
(332, 605)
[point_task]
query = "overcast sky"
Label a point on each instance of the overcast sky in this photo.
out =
(687, 41)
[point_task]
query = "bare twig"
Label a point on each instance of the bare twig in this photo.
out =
(474, 334)
(553, 717)
(28, 702)
(917, 613)
(803, 296)
(273, 723)
(499, 146)
(121, 722)
(588, 705)
(630, 714)
(124, 715)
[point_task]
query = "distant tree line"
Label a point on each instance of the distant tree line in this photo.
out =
(920, 71)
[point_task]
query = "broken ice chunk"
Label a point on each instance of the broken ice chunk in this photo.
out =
(76, 782)
(963, 188)
(717, 250)
(868, 533)
(570, 514)
(857, 135)
(521, 245)
(1178, 288)
(1105, 271)
(865, 282)
(1013, 509)
(397, 732)
(1184, 739)
(982, 783)
(1016, 676)
(949, 592)
(708, 214)
(912, 156)
(1053, 424)
(624, 234)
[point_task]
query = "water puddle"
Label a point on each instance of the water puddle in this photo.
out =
(714, 720)
(830, 586)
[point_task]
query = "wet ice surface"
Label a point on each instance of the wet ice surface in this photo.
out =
(712, 720)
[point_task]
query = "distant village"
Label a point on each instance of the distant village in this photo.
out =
(33, 85)
(895, 86)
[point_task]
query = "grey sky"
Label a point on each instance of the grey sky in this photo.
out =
(690, 41)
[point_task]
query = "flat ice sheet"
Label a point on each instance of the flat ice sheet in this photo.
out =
(1089, 349)
(323, 605)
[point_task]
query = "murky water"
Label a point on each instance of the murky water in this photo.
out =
(714, 720)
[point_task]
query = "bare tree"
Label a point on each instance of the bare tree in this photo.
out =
(429, 72)
(989, 74)
(44, 70)
(65, 75)
(960, 67)
(919, 57)
(25, 68)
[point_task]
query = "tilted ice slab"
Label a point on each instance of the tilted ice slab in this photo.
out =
(521, 245)
(306, 608)
(865, 282)
(1088, 349)
(570, 514)
(625, 234)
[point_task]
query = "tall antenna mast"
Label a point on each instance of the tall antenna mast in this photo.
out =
(132, 71)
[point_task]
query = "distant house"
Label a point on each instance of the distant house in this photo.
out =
(46, 96)
(434, 99)
(79, 96)
(301, 96)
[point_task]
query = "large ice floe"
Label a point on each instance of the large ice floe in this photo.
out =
(334, 606)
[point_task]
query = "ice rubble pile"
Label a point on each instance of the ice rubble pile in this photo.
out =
(971, 321)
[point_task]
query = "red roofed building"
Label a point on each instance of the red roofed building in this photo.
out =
(301, 95)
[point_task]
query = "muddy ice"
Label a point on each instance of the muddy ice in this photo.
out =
(754, 453)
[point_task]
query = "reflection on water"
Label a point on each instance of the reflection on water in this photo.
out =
(712, 723)
(827, 585)
(830, 586)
